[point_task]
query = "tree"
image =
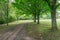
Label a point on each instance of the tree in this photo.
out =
(7, 13)
(26, 6)
(53, 6)
(4, 9)
(34, 7)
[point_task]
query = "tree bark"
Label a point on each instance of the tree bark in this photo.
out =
(7, 11)
(37, 18)
(34, 17)
(53, 17)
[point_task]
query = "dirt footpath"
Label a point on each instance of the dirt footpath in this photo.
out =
(22, 35)
(18, 34)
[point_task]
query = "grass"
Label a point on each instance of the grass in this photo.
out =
(43, 30)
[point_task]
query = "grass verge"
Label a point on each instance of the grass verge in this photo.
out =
(43, 31)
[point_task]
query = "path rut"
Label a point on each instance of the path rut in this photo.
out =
(18, 34)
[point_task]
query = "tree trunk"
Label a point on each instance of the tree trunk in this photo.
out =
(37, 18)
(34, 17)
(7, 11)
(53, 17)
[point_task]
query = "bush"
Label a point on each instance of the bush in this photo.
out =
(4, 20)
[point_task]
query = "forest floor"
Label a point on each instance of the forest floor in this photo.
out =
(18, 32)
(27, 30)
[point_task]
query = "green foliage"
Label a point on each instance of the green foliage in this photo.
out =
(18, 8)
(4, 14)
(34, 7)
(31, 6)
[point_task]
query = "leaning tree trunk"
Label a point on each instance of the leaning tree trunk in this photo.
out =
(53, 17)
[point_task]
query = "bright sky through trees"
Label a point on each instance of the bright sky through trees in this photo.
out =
(58, 1)
(11, 0)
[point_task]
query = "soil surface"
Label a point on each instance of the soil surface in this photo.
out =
(18, 33)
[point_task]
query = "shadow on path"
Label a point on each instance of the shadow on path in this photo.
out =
(18, 34)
